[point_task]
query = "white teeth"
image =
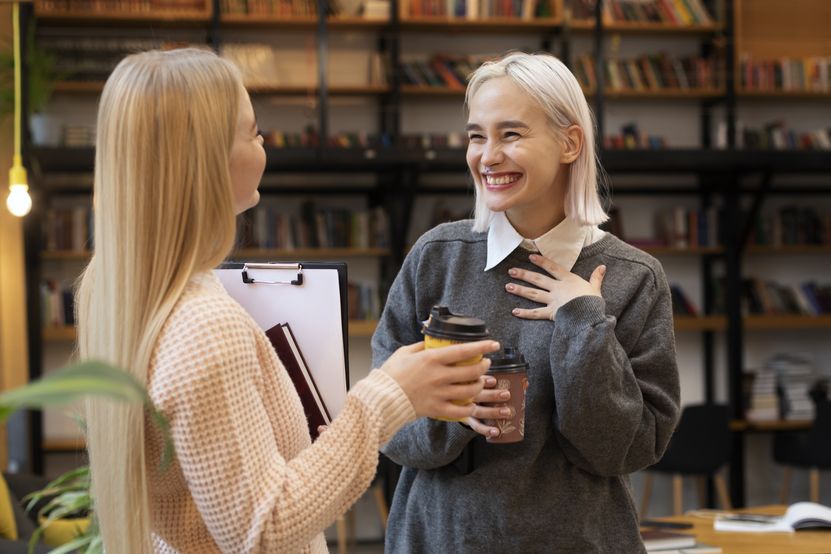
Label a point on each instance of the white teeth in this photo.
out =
(504, 180)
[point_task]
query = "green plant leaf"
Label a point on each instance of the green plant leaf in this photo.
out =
(72, 383)
(77, 543)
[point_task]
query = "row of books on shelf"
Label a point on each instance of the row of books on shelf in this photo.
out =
(786, 387)
(121, 6)
(440, 70)
(92, 58)
(477, 9)
(314, 227)
(777, 136)
(310, 138)
(632, 137)
(671, 12)
(68, 228)
(766, 297)
(285, 8)
(57, 301)
(809, 74)
(652, 72)
(792, 225)
(363, 301)
(58, 307)
(688, 227)
(761, 297)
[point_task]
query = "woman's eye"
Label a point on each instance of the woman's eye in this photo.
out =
(512, 135)
(475, 138)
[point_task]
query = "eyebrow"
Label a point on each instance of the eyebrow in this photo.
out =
(501, 125)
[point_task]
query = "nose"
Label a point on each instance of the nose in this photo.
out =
(491, 154)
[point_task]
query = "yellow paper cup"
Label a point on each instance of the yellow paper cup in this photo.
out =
(444, 328)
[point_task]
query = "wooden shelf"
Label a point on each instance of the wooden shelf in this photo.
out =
(95, 87)
(700, 323)
(359, 90)
(774, 425)
(64, 445)
(458, 25)
(757, 249)
(785, 94)
(781, 322)
(79, 87)
(672, 251)
(89, 17)
(636, 27)
(68, 334)
(65, 333)
(362, 329)
(654, 94)
(316, 253)
(425, 90)
(66, 255)
(305, 23)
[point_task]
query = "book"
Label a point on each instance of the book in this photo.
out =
(289, 353)
(799, 516)
(655, 540)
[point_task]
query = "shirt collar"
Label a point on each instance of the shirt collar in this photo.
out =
(562, 244)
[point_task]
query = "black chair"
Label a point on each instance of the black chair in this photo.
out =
(809, 450)
(699, 448)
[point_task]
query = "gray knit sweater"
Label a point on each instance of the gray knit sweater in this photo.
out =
(602, 402)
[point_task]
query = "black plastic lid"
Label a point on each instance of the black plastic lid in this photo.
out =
(507, 359)
(444, 324)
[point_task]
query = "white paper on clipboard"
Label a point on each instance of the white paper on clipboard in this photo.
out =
(313, 310)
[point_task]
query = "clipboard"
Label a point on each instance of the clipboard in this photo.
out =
(312, 298)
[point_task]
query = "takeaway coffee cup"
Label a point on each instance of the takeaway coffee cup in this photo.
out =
(444, 328)
(509, 368)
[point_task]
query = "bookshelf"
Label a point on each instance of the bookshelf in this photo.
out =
(398, 175)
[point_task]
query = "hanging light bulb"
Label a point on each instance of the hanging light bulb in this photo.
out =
(18, 202)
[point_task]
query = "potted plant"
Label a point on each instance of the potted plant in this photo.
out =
(42, 74)
(67, 514)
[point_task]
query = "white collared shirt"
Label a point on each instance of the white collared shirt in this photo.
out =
(562, 244)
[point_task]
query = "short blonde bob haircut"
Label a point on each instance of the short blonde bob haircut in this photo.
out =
(164, 210)
(549, 82)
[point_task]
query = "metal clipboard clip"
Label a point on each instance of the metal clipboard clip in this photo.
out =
(250, 280)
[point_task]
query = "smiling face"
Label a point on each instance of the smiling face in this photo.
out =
(518, 162)
(247, 157)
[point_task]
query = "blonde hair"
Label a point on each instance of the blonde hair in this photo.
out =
(555, 89)
(164, 210)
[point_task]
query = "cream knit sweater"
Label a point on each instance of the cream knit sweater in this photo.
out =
(246, 477)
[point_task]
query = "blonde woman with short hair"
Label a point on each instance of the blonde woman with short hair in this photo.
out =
(178, 156)
(591, 315)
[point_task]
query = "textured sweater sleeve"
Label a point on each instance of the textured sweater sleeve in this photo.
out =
(615, 410)
(250, 497)
(425, 443)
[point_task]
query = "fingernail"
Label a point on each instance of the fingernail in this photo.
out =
(533, 257)
(515, 311)
(509, 286)
(505, 411)
(493, 432)
(504, 395)
(495, 345)
(512, 272)
(490, 380)
(602, 269)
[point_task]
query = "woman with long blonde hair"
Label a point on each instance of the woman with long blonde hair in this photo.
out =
(178, 156)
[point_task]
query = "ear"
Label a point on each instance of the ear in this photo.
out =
(572, 144)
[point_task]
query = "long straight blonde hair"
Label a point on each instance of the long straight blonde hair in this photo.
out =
(555, 89)
(163, 211)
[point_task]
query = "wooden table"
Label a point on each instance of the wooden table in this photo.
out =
(800, 542)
